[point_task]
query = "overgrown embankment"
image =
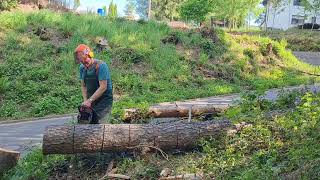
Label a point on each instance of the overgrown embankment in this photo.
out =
(298, 39)
(150, 63)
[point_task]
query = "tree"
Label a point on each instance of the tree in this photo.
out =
(130, 8)
(7, 4)
(76, 4)
(166, 9)
(195, 10)
(142, 8)
(313, 7)
(105, 9)
(112, 11)
(234, 11)
(115, 11)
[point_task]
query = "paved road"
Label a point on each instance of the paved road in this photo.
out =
(308, 57)
(19, 136)
(22, 135)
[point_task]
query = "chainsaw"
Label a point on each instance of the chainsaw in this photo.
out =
(87, 115)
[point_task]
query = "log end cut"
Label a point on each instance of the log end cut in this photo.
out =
(8, 159)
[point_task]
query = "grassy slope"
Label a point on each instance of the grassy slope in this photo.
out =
(298, 39)
(39, 77)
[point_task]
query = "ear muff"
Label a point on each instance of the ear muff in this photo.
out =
(90, 54)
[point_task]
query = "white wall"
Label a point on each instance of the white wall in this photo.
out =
(281, 17)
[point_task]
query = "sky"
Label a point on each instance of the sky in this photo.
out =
(95, 4)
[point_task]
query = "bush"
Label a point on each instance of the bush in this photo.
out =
(268, 147)
(11, 20)
(4, 84)
(8, 4)
(129, 55)
(9, 109)
(309, 26)
(48, 105)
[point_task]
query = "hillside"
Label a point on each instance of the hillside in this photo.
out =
(150, 63)
(298, 39)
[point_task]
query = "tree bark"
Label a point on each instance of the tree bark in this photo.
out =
(149, 9)
(65, 139)
(166, 111)
(8, 159)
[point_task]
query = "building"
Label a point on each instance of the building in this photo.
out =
(289, 14)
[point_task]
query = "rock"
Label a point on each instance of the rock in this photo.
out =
(165, 172)
(44, 34)
(102, 44)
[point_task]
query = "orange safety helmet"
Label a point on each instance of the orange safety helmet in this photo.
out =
(85, 49)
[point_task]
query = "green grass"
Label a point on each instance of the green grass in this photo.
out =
(34, 166)
(298, 39)
(39, 78)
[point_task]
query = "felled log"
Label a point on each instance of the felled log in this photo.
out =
(118, 176)
(183, 177)
(64, 139)
(174, 111)
(8, 159)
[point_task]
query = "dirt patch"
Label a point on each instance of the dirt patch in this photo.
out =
(27, 8)
(209, 33)
(187, 53)
(178, 25)
(129, 55)
(1, 38)
(57, 38)
(171, 39)
(140, 68)
(222, 72)
(32, 5)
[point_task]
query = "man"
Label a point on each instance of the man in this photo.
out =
(96, 85)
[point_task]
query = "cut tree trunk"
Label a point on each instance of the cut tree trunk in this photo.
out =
(8, 159)
(65, 139)
(165, 111)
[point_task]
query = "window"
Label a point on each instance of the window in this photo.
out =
(297, 3)
(297, 20)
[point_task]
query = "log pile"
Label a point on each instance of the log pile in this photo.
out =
(68, 139)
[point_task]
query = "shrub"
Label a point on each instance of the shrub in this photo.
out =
(4, 84)
(8, 4)
(129, 55)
